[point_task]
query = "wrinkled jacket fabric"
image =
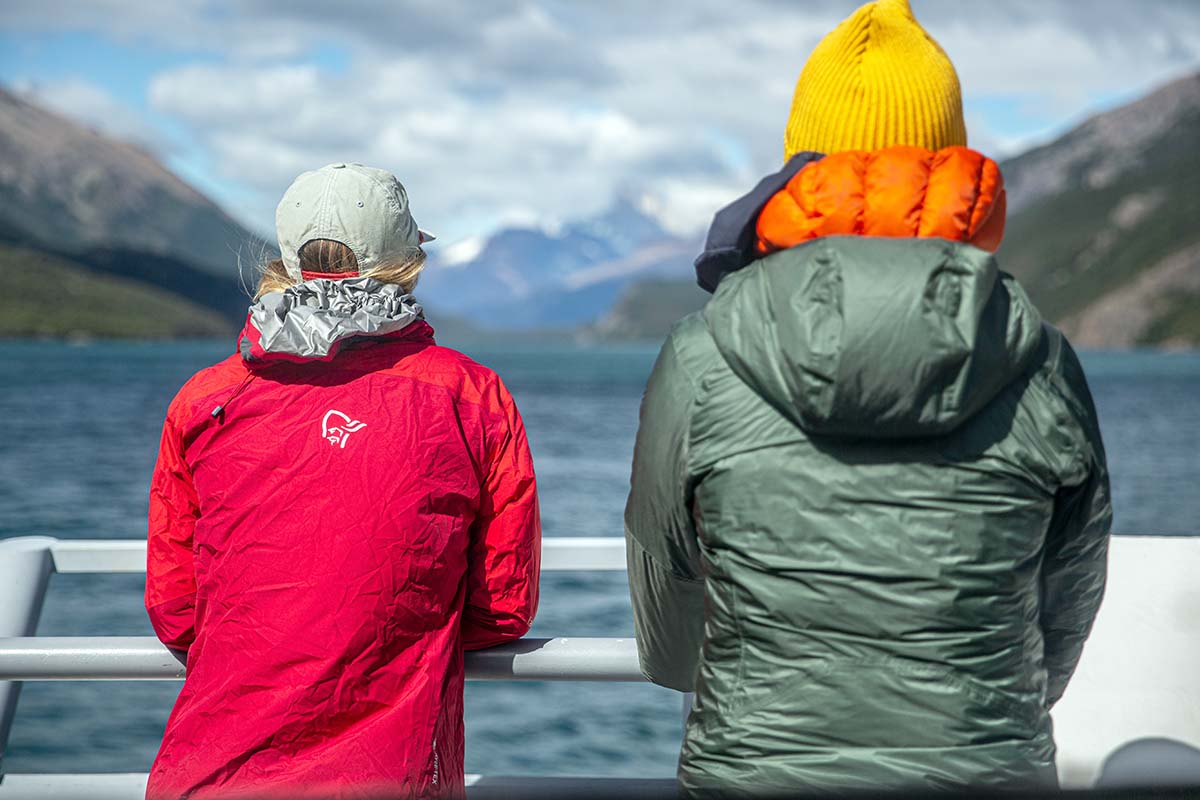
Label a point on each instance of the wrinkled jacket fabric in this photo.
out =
(869, 510)
(336, 514)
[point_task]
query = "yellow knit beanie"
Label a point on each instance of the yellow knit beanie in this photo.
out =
(878, 79)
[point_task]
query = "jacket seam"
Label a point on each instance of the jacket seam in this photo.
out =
(1048, 379)
(162, 603)
(738, 627)
(1080, 621)
(666, 568)
(697, 392)
(978, 186)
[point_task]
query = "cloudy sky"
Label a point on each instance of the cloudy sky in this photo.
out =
(496, 111)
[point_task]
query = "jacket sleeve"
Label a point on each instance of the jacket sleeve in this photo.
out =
(1075, 565)
(665, 580)
(504, 557)
(174, 509)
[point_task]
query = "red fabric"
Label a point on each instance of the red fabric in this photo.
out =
(332, 276)
(324, 550)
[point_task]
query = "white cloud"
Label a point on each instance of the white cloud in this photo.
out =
(539, 111)
(685, 206)
(265, 124)
(92, 105)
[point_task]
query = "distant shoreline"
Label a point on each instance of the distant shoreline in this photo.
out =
(486, 340)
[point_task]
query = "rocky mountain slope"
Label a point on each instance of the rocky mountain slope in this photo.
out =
(1104, 225)
(68, 188)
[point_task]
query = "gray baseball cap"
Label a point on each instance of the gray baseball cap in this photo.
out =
(364, 208)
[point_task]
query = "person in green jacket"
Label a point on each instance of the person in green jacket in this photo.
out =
(870, 509)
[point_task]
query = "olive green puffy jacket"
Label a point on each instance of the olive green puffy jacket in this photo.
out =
(868, 522)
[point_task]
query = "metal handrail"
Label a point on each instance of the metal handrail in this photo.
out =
(1143, 648)
(590, 553)
(27, 563)
(123, 658)
(37, 658)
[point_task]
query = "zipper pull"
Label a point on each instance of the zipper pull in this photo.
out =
(220, 409)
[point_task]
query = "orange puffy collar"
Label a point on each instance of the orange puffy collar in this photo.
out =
(954, 193)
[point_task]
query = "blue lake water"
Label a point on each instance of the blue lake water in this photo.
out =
(82, 427)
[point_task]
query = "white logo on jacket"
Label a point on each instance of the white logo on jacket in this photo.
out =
(336, 427)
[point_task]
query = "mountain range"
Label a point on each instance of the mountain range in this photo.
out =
(530, 278)
(1102, 231)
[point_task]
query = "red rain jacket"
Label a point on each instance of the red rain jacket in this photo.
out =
(324, 547)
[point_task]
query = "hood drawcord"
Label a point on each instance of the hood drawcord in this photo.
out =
(220, 409)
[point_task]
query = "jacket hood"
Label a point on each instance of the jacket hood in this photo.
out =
(313, 320)
(871, 337)
(731, 240)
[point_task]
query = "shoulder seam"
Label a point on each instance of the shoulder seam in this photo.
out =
(698, 320)
(696, 383)
(1049, 375)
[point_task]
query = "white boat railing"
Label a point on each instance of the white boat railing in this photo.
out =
(561, 554)
(1137, 677)
(27, 563)
(143, 658)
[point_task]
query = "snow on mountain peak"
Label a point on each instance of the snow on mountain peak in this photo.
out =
(462, 252)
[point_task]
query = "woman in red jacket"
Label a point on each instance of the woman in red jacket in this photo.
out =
(337, 512)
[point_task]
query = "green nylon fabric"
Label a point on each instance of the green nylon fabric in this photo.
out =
(868, 522)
